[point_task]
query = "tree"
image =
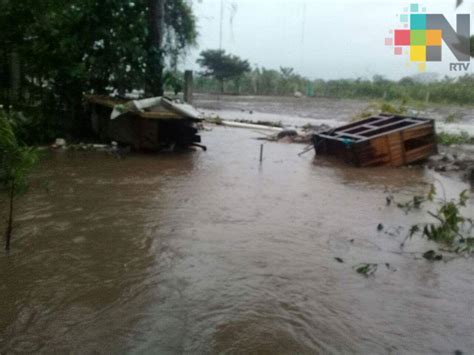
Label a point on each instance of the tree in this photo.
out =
(68, 49)
(222, 66)
(154, 77)
(16, 161)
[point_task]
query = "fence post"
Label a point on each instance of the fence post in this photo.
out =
(188, 86)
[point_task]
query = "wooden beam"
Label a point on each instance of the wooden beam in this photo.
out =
(387, 126)
(352, 135)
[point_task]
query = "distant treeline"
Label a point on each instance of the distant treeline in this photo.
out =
(286, 82)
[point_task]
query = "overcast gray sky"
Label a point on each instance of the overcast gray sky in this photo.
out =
(319, 39)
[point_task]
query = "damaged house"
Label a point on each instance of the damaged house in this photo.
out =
(152, 124)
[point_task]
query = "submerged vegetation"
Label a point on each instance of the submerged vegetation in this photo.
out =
(450, 138)
(366, 269)
(378, 107)
(16, 161)
(449, 227)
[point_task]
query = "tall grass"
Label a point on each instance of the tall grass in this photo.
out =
(272, 82)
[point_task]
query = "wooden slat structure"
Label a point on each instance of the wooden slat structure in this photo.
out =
(154, 130)
(382, 140)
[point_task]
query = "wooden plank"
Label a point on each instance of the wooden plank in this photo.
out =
(419, 153)
(402, 147)
(381, 152)
(384, 148)
(352, 135)
(390, 154)
(415, 120)
(417, 132)
(356, 124)
(375, 162)
(332, 138)
(360, 128)
(387, 117)
(394, 130)
(386, 126)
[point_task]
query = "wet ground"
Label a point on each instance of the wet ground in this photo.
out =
(210, 252)
(291, 111)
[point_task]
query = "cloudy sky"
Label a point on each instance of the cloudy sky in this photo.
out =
(320, 39)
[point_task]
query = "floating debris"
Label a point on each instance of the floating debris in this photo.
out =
(303, 135)
(366, 269)
(383, 140)
(432, 256)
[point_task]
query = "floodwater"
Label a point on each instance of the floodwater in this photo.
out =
(291, 111)
(213, 252)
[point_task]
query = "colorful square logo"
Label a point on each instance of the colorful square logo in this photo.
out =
(418, 53)
(417, 22)
(402, 37)
(424, 33)
(418, 38)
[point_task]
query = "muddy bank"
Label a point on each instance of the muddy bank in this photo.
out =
(213, 252)
(291, 111)
(454, 159)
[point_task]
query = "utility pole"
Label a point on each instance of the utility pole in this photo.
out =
(221, 24)
(155, 60)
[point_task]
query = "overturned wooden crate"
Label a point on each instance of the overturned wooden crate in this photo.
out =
(383, 140)
(163, 124)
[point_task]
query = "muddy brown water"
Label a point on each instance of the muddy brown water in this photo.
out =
(211, 252)
(297, 112)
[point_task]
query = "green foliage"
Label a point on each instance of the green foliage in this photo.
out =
(259, 81)
(222, 66)
(450, 139)
(35, 127)
(173, 81)
(471, 40)
(389, 108)
(366, 269)
(431, 255)
(70, 48)
(451, 118)
(262, 81)
(414, 203)
(16, 160)
(450, 226)
(379, 107)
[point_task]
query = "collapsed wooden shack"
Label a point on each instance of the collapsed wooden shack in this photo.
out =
(383, 140)
(152, 124)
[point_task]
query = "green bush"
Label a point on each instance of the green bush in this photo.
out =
(450, 139)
